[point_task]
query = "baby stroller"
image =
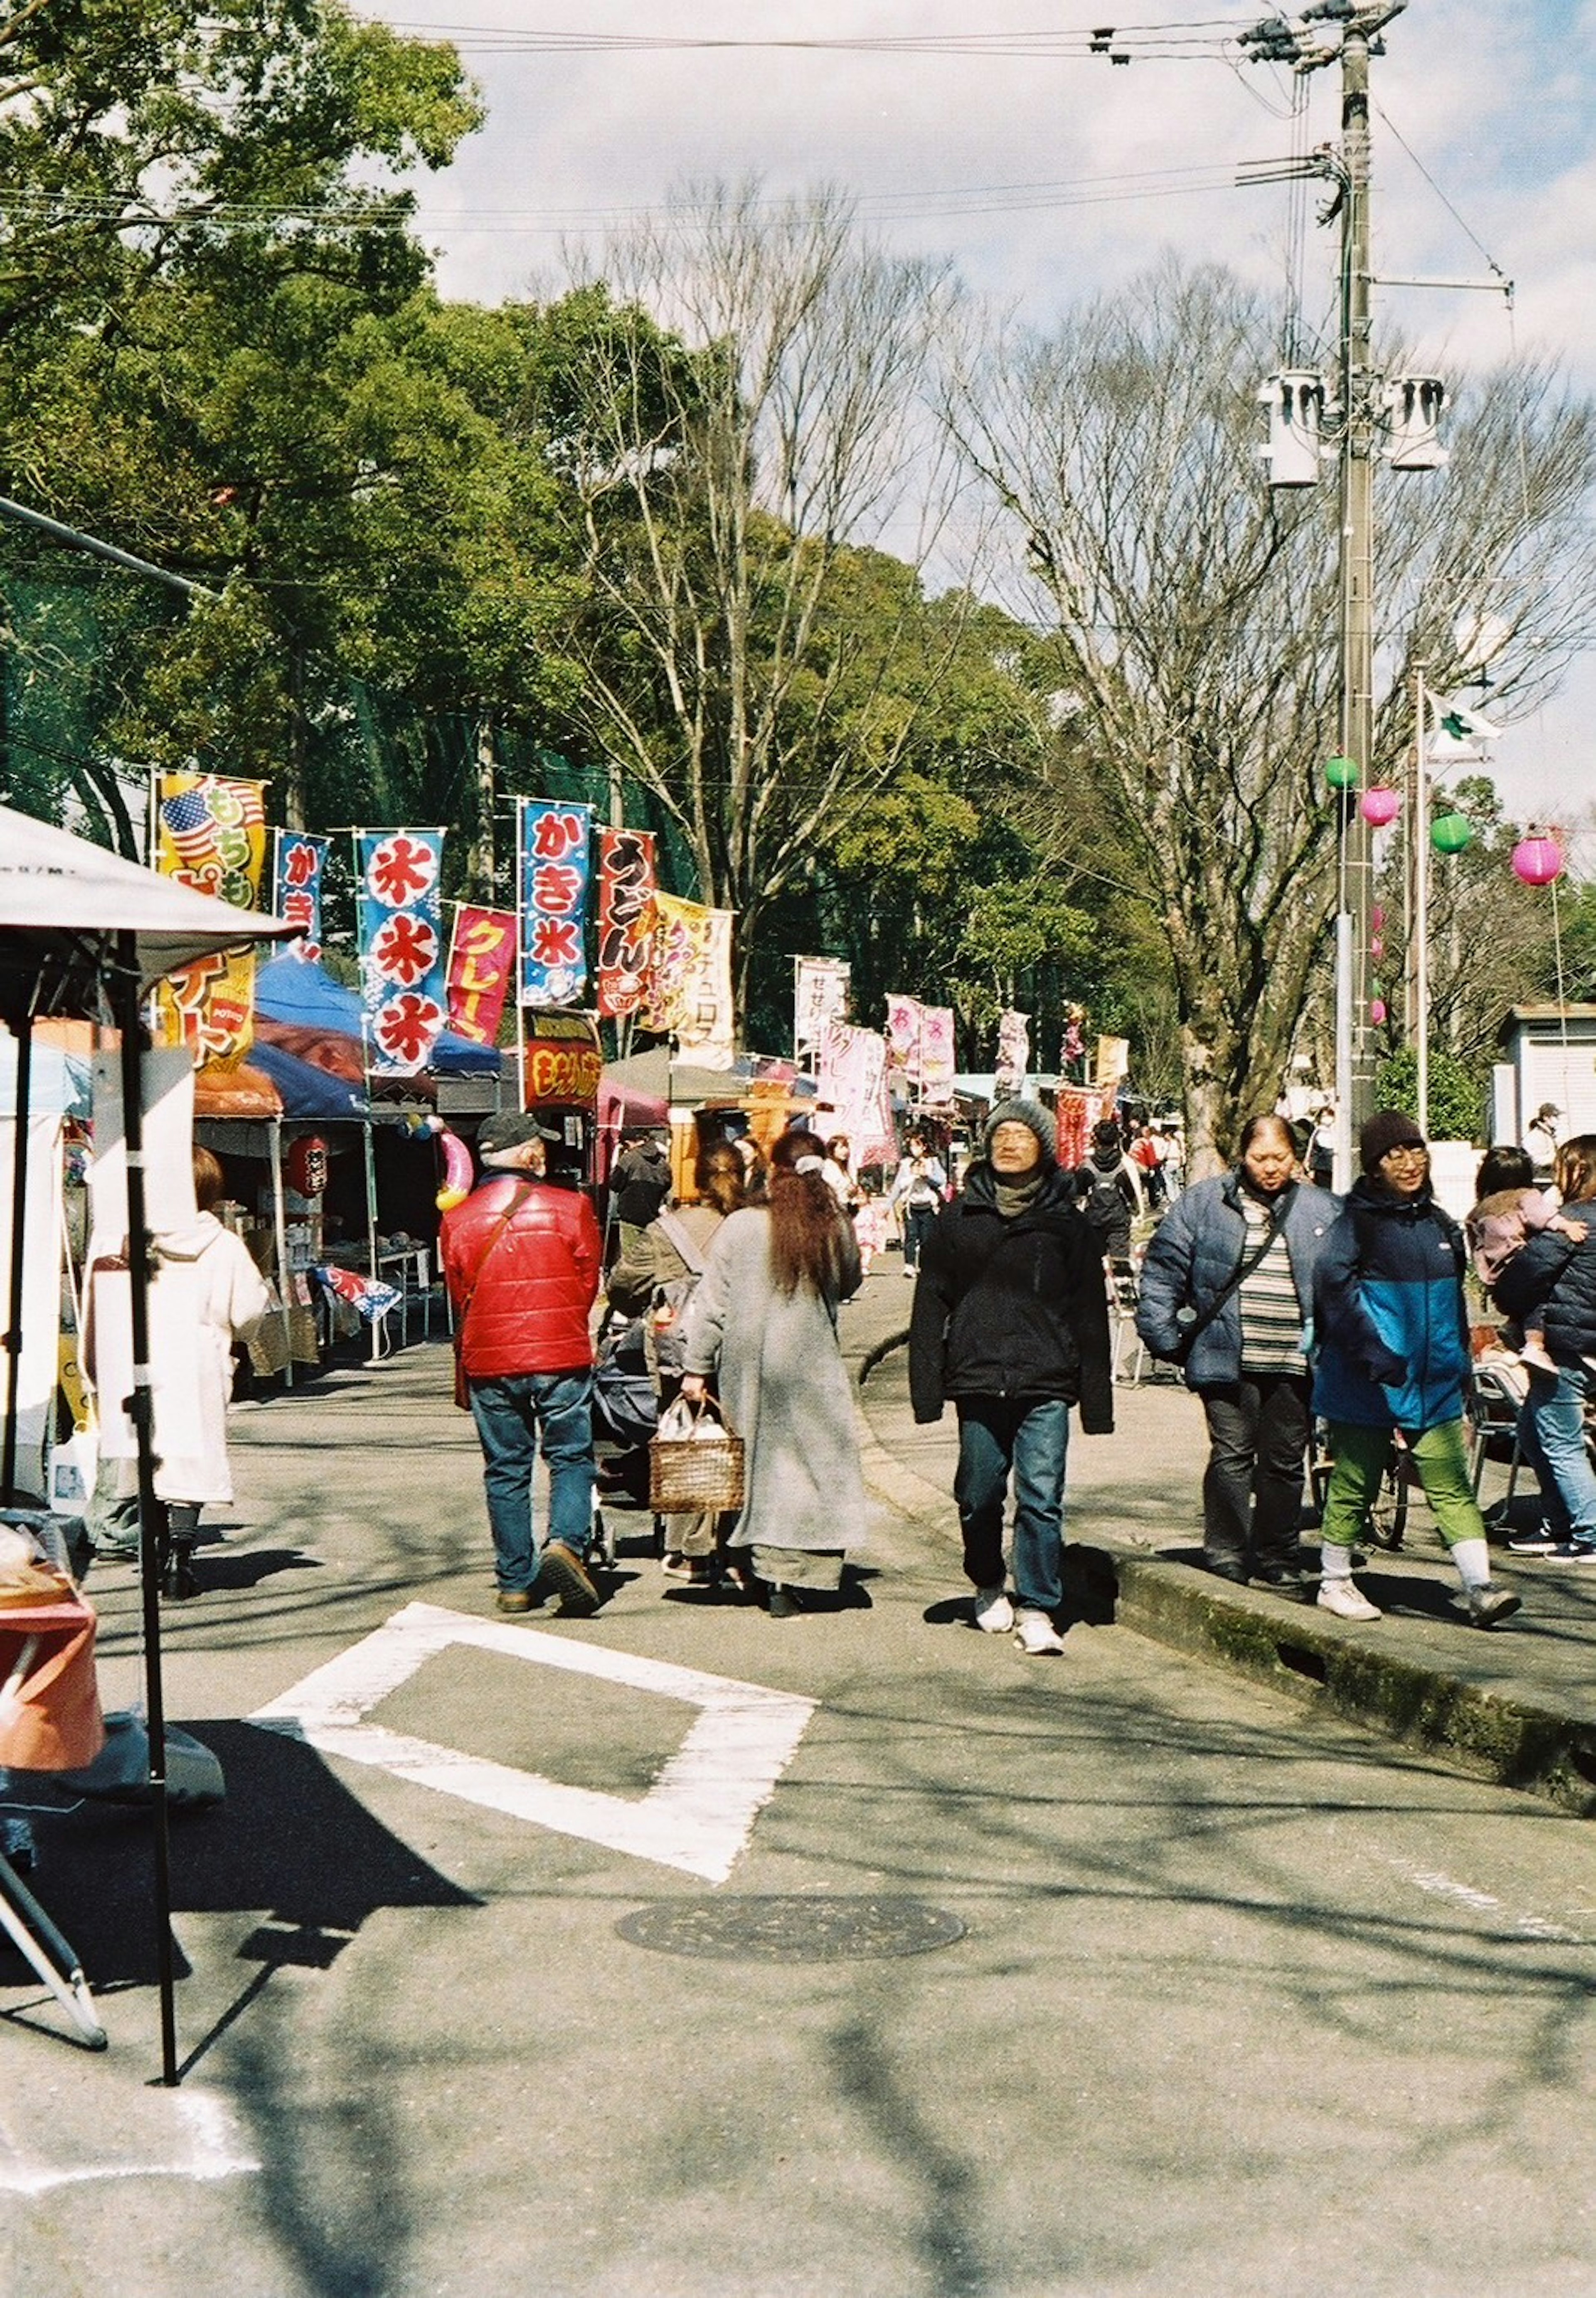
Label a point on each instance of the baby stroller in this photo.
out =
(625, 1408)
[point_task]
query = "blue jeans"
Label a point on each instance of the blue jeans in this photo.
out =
(1553, 1437)
(511, 1411)
(919, 1220)
(1028, 1437)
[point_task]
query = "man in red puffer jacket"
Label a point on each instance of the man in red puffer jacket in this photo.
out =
(521, 1261)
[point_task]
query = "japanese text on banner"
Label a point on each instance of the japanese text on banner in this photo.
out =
(553, 877)
(691, 981)
(819, 997)
(296, 889)
(902, 1041)
(627, 886)
(482, 964)
(853, 1080)
(937, 1054)
(210, 834)
(399, 911)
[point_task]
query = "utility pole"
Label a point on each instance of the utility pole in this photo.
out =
(1361, 417)
(1361, 423)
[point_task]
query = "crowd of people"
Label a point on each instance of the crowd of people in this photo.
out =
(1310, 1327)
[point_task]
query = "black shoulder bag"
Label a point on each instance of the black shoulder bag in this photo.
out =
(1194, 1322)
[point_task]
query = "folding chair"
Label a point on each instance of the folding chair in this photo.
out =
(1495, 1400)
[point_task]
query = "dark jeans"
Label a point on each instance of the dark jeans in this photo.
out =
(918, 1220)
(1253, 1487)
(1028, 1437)
(511, 1412)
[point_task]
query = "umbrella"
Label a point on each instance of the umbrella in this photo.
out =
(81, 929)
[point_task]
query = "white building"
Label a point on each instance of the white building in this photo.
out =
(1550, 1064)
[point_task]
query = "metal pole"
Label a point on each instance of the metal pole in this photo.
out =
(371, 1228)
(1421, 908)
(140, 1407)
(280, 1225)
(15, 1267)
(75, 540)
(1357, 534)
(1342, 1171)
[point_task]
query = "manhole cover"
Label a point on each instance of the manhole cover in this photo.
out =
(791, 1929)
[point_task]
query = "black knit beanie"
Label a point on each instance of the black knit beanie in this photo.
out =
(1388, 1130)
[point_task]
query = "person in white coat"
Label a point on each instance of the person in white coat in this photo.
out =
(207, 1295)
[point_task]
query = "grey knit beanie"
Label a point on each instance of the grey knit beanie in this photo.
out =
(1022, 1112)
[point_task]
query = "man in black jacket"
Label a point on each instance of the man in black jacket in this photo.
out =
(1010, 1321)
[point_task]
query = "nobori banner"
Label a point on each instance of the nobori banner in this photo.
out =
(296, 888)
(399, 911)
(553, 873)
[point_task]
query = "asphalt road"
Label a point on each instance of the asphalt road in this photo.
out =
(1244, 2001)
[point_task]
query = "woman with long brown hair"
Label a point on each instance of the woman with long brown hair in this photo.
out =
(763, 1326)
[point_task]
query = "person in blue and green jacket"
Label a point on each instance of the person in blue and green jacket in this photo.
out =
(1393, 1334)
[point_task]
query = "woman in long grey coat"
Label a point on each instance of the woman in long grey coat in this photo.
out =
(762, 1325)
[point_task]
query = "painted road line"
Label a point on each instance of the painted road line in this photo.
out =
(697, 1816)
(206, 2147)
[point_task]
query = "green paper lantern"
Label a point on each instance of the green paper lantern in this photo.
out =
(1450, 834)
(1342, 773)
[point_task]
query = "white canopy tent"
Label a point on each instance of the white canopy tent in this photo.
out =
(84, 932)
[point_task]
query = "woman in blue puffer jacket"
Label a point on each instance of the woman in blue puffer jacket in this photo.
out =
(1244, 1344)
(1393, 1353)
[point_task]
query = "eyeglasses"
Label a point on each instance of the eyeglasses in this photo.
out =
(1406, 1150)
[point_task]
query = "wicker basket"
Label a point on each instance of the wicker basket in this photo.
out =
(704, 1470)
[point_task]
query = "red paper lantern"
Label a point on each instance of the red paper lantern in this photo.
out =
(1379, 806)
(1537, 860)
(305, 1168)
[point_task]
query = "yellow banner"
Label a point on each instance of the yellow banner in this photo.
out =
(210, 834)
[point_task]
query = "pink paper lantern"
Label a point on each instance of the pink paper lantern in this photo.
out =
(1537, 860)
(1377, 1010)
(1377, 917)
(1376, 947)
(1379, 806)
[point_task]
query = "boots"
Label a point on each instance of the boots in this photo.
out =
(177, 1542)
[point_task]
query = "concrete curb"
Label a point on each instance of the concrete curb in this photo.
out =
(1516, 1742)
(1295, 1646)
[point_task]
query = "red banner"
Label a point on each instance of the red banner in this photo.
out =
(482, 961)
(627, 891)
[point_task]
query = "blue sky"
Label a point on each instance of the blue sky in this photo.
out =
(1496, 100)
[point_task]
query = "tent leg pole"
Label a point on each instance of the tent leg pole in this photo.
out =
(280, 1223)
(16, 1270)
(371, 1230)
(141, 1412)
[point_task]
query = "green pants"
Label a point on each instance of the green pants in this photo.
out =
(1439, 1458)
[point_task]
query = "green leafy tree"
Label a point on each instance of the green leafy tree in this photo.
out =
(1456, 1093)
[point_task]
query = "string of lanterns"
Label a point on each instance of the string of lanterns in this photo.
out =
(1537, 858)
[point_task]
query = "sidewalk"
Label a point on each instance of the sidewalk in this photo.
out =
(1516, 1703)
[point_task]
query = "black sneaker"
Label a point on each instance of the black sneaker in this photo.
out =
(1286, 1579)
(1227, 1568)
(1540, 1541)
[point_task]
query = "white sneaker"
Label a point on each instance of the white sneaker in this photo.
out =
(1347, 1601)
(1035, 1633)
(994, 1613)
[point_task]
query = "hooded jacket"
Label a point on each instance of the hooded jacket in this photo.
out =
(535, 1279)
(1012, 1308)
(1552, 1282)
(1389, 1314)
(1199, 1246)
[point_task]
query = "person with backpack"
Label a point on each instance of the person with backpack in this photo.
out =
(655, 1280)
(1108, 1190)
(1226, 1292)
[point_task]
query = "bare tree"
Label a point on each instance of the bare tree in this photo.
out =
(1195, 614)
(746, 654)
